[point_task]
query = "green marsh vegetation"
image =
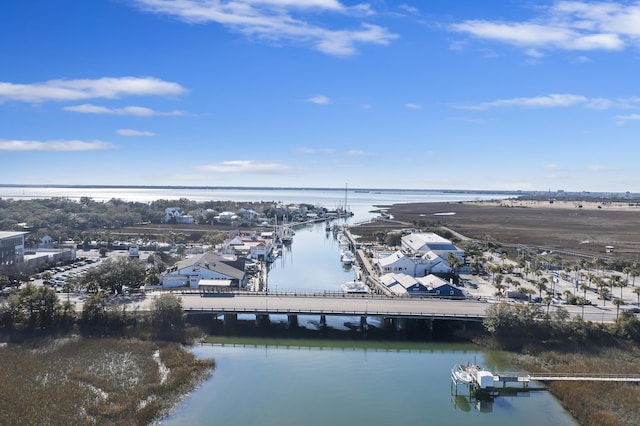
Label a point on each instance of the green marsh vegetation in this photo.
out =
(105, 365)
(555, 343)
(76, 380)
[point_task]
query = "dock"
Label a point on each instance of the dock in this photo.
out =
(481, 382)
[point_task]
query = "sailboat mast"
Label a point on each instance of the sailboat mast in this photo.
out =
(345, 198)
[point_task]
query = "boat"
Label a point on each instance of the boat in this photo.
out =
(354, 287)
(346, 257)
(462, 373)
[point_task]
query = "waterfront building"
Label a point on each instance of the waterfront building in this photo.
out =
(189, 272)
(430, 285)
(11, 248)
(416, 266)
(252, 247)
(421, 243)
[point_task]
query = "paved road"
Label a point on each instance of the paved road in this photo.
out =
(357, 306)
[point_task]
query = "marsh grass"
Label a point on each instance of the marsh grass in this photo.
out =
(94, 381)
(592, 403)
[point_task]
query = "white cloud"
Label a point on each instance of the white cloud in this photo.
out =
(73, 90)
(319, 99)
(358, 153)
(551, 166)
(596, 168)
(413, 106)
(131, 132)
(72, 145)
(129, 110)
(410, 9)
(566, 25)
(278, 21)
(246, 167)
(548, 101)
(621, 119)
(305, 150)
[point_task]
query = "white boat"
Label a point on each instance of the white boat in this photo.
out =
(346, 257)
(354, 287)
(461, 374)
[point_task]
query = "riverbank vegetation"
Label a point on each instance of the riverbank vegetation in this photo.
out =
(554, 343)
(105, 365)
(88, 381)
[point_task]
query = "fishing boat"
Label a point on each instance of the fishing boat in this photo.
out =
(354, 287)
(346, 257)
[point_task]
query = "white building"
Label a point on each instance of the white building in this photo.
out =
(397, 263)
(252, 247)
(190, 272)
(400, 263)
(421, 243)
(171, 213)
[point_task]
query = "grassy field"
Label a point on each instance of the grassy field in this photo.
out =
(592, 403)
(73, 380)
(568, 227)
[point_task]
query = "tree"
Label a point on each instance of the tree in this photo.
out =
(542, 285)
(114, 275)
(636, 290)
(617, 302)
(604, 292)
(454, 262)
(584, 288)
(167, 316)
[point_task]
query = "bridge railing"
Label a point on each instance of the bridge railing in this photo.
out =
(326, 311)
(312, 293)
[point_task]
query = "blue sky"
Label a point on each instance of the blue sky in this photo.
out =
(465, 94)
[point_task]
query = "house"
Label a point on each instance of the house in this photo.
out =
(423, 242)
(438, 287)
(175, 214)
(431, 263)
(403, 285)
(251, 247)
(189, 272)
(46, 242)
(397, 263)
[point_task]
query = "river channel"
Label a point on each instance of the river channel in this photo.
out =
(333, 385)
(290, 385)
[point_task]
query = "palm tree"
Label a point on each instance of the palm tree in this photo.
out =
(634, 273)
(584, 288)
(529, 291)
(542, 285)
(622, 284)
(603, 293)
(614, 281)
(454, 262)
(636, 290)
(617, 302)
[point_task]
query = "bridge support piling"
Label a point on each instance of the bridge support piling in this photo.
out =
(292, 321)
(230, 323)
(363, 323)
(262, 320)
(323, 321)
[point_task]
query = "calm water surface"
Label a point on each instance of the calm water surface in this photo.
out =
(292, 386)
(322, 386)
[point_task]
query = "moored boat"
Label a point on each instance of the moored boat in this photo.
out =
(354, 287)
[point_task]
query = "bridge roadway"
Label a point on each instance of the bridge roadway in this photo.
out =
(351, 305)
(336, 305)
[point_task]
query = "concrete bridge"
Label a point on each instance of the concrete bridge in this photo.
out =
(333, 304)
(363, 305)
